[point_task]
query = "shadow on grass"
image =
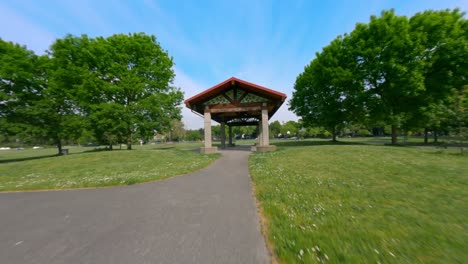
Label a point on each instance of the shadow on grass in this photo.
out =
(163, 148)
(453, 152)
(11, 160)
(300, 143)
(96, 150)
(441, 144)
(27, 158)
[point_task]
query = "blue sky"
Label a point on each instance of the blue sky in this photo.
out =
(264, 42)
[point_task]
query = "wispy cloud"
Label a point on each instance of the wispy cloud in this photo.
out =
(169, 31)
(20, 29)
(86, 16)
(190, 87)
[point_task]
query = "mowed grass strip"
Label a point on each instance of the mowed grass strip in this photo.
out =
(364, 204)
(39, 169)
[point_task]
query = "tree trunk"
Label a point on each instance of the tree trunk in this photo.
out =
(333, 134)
(59, 146)
(129, 139)
(460, 132)
(394, 134)
(110, 146)
(426, 132)
(436, 138)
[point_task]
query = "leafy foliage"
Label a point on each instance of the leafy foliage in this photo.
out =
(392, 70)
(115, 86)
(125, 85)
(17, 84)
(325, 92)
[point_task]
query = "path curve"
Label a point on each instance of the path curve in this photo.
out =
(205, 217)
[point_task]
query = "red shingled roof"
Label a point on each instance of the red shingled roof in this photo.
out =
(244, 84)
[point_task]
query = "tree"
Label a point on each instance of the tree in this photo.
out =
(326, 93)
(245, 132)
(126, 84)
(459, 114)
(194, 135)
(275, 128)
(34, 99)
(177, 131)
(17, 85)
(290, 128)
(443, 35)
(387, 55)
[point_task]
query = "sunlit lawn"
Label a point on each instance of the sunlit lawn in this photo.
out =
(359, 203)
(34, 169)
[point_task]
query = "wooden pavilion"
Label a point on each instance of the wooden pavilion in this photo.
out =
(235, 102)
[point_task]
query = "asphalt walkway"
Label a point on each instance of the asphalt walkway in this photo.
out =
(204, 217)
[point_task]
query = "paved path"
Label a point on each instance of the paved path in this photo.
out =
(204, 217)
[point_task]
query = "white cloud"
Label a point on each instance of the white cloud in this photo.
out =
(190, 87)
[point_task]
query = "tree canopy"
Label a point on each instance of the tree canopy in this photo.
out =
(115, 86)
(392, 70)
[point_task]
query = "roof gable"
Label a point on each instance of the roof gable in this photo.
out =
(234, 99)
(226, 85)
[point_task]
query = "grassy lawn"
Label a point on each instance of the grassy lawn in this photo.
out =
(357, 203)
(86, 167)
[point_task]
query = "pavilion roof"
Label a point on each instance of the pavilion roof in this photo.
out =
(235, 92)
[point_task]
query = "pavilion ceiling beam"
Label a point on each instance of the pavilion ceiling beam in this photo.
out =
(243, 124)
(236, 109)
(242, 96)
(229, 98)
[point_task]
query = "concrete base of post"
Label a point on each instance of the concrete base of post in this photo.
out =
(209, 150)
(266, 148)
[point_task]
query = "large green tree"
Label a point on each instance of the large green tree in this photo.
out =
(444, 37)
(34, 101)
(326, 93)
(125, 84)
(18, 85)
(387, 55)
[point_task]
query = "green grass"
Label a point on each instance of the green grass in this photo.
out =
(86, 167)
(355, 203)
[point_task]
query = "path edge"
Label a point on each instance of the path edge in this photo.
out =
(263, 222)
(113, 186)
